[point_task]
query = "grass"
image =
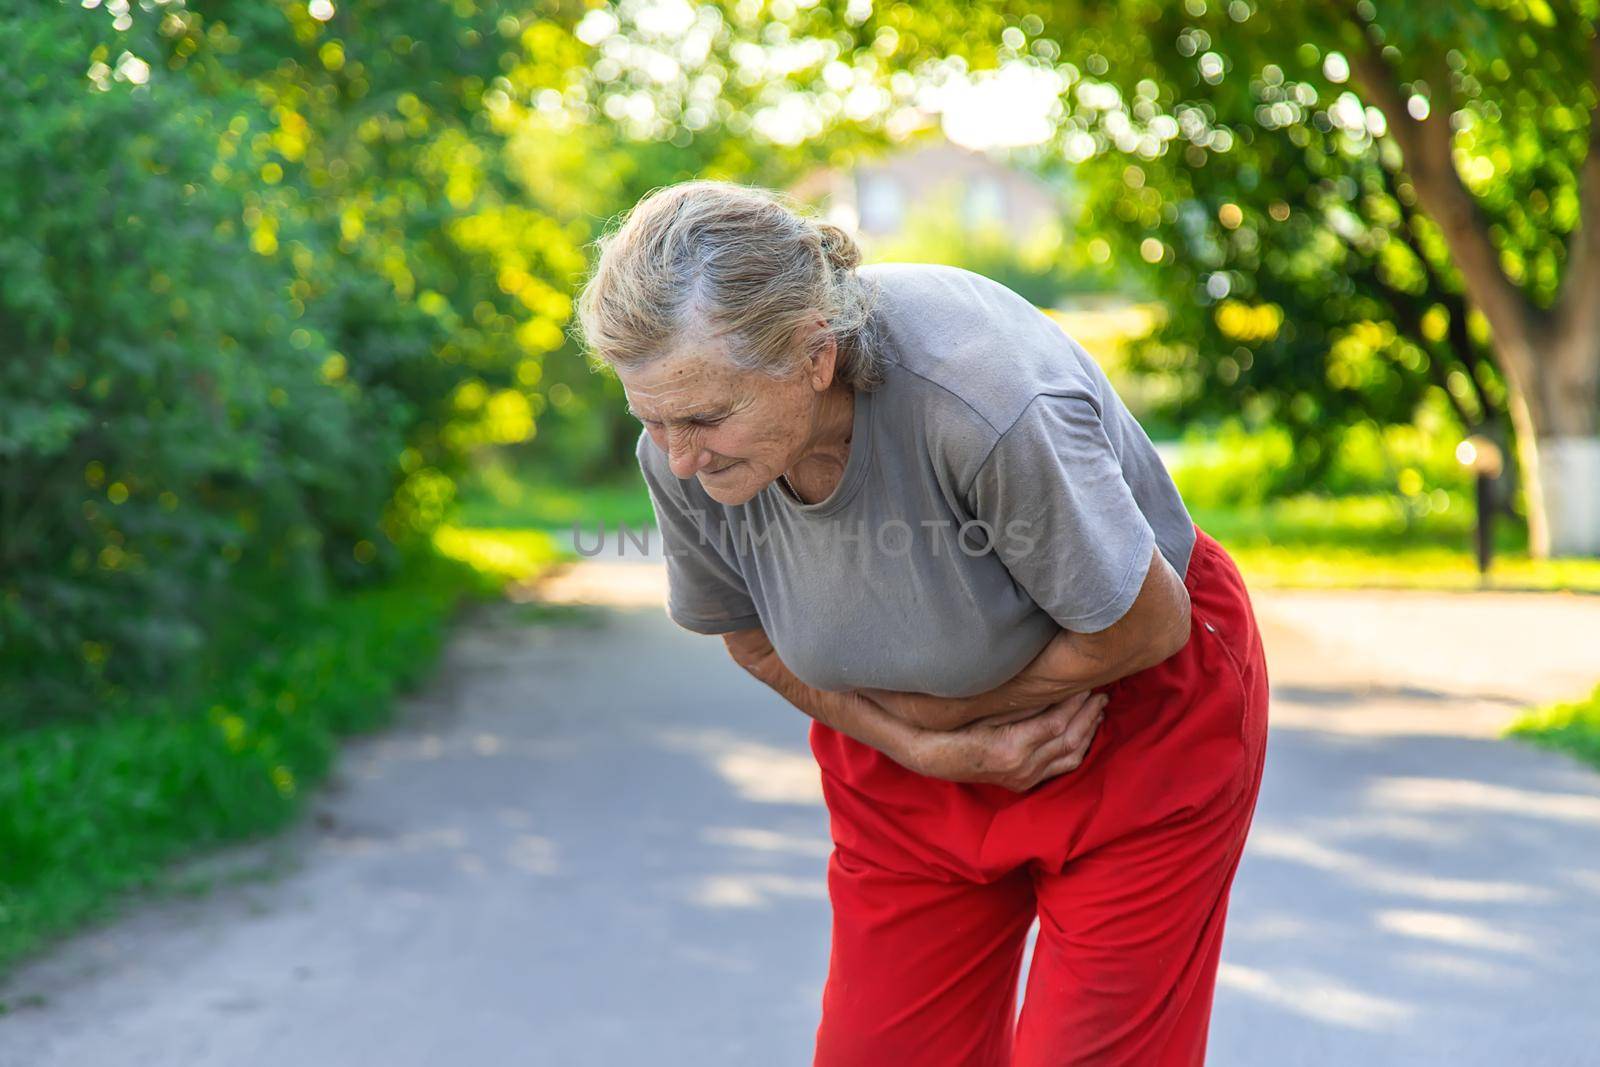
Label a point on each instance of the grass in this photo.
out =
(94, 809)
(1369, 542)
(1572, 727)
(498, 555)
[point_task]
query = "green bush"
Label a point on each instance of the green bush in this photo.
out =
(261, 292)
(163, 419)
(1229, 466)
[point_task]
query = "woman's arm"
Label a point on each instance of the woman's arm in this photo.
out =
(1155, 627)
(1017, 754)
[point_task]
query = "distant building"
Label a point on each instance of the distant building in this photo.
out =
(874, 198)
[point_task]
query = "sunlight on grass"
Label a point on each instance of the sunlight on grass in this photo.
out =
(1573, 726)
(1352, 568)
(1370, 542)
(497, 496)
(503, 555)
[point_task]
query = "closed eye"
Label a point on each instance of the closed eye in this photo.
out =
(696, 421)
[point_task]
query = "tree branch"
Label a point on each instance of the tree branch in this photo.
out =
(1459, 343)
(1427, 148)
(1577, 308)
(1457, 351)
(1408, 311)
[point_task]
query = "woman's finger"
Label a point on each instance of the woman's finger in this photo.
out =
(1065, 763)
(1024, 746)
(1041, 729)
(1087, 719)
(1075, 738)
(1080, 712)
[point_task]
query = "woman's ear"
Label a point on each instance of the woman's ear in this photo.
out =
(824, 359)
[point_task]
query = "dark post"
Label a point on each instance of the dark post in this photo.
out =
(1482, 456)
(1485, 529)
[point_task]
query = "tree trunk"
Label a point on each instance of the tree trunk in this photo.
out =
(1569, 473)
(1568, 448)
(1550, 357)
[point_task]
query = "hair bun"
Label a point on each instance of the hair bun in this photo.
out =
(838, 246)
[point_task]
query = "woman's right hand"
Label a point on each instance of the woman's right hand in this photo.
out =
(1018, 750)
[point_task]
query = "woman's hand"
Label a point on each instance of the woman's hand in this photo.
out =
(1014, 747)
(1014, 750)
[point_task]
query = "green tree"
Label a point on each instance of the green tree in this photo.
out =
(1446, 150)
(437, 280)
(1477, 113)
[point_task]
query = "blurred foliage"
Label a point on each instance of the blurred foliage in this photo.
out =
(499, 496)
(1045, 268)
(1305, 289)
(1381, 541)
(1412, 462)
(1237, 160)
(261, 296)
(273, 272)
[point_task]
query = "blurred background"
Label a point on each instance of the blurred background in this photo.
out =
(287, 373)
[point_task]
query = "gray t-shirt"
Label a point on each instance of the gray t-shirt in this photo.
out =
(996, 490)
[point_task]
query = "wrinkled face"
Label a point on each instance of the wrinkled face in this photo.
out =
(734, 430)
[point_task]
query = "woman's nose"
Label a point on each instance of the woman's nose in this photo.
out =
(683, 455)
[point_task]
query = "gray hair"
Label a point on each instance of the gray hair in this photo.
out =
(735, 259)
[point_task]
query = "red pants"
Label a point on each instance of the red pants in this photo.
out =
(1127, 862)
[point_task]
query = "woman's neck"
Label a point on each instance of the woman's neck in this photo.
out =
(814, 476)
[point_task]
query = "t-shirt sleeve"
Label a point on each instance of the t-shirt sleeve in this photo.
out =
(705, 591)
(1063, 519)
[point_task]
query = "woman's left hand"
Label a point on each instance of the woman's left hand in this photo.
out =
(1016, 755)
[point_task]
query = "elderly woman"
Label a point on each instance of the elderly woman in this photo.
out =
(918, 511)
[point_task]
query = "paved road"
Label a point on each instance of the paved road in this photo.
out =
(598, 844)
